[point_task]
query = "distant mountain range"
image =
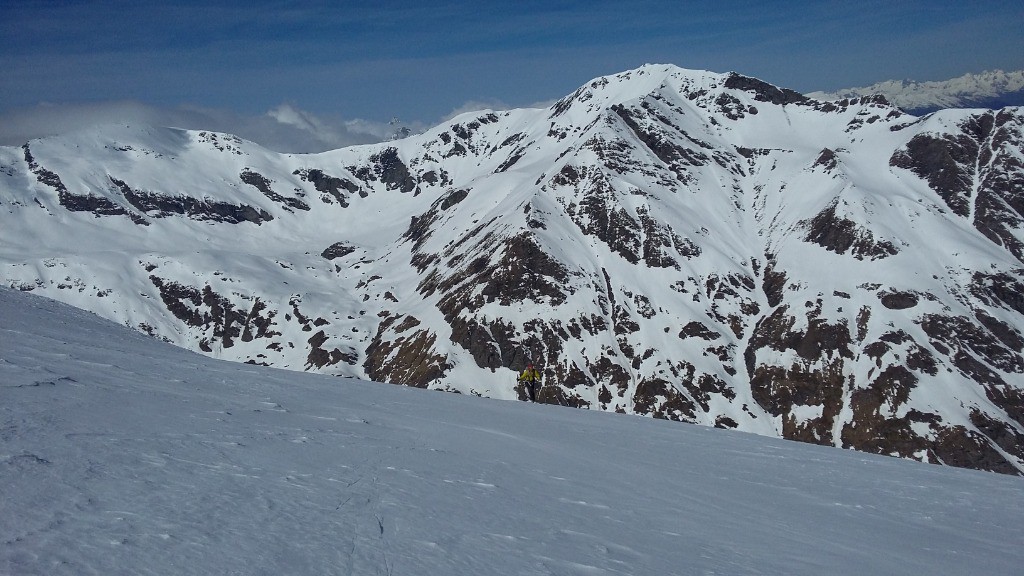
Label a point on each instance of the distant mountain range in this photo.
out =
(992, 89)
(681, 244)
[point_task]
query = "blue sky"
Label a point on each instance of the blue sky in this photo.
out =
(351, 66)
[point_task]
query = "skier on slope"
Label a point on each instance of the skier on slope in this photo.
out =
(531, 379)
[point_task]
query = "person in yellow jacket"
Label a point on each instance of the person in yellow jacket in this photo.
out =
(531, 379)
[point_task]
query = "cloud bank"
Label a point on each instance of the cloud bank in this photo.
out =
(285, 128)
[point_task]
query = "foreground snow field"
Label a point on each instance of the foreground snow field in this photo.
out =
(123, 455)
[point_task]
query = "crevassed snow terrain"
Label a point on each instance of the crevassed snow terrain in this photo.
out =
(123, 455)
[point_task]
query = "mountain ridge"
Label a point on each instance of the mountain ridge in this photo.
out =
(682, 244)
(988, 89)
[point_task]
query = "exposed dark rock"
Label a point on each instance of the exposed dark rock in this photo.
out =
(963, 448)
(510, 161)
(1006, 334)
(453, 198)
(222, 142)
(524, 272)
(160, 206)
(404, 358)
(420, 229)
(599, 214)
(773, 283)
(676, 157)
(816, 380)
(895, 300)
(875, 427)
(563, 105)
(921, 360)
(725, 422)
(338, 250)
(697, 330)
(704, 386)
(657, 205)
(999, 208)
(661, 243)
(827, 160)
(263, 184)
(960, 334)
(608, 373)
(658, 398)
(863, 320)
(50, 179)
(1001, 434)
(569, 175)
(1005, 289)
(763, 91)
(330, 186)
(214, 314)
(730, 106)
(492, 345)
(262, 324)
(948, 162)
(319, 357)
(392, 171)
(842, 236)
(97, 205)
(173, 294)
(940, 161)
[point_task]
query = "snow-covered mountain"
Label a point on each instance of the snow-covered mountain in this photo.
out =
(687, 245)
(991, 89)
(120, 454)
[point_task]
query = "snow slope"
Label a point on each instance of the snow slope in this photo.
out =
(123, 455)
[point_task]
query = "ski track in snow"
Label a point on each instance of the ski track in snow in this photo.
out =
(123, 455)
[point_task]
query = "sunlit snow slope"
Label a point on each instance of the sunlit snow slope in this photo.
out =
(123, 455)
(681, 244)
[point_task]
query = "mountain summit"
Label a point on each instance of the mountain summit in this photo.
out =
(693, 246)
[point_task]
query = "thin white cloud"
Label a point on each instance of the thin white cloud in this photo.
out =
(476, 106)
(288, 114)
(285, 128)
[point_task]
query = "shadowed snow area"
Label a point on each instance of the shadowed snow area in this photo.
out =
(123, 455)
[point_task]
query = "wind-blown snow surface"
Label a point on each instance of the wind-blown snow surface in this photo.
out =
(123, 455)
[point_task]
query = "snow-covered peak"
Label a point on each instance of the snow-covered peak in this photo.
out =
(671, 83)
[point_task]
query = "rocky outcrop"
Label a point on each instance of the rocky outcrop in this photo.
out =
(157, 205)
(330, 187)
(338, 250)
(408, 358)
(977, 171)
(843, 236)
(264, 185)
